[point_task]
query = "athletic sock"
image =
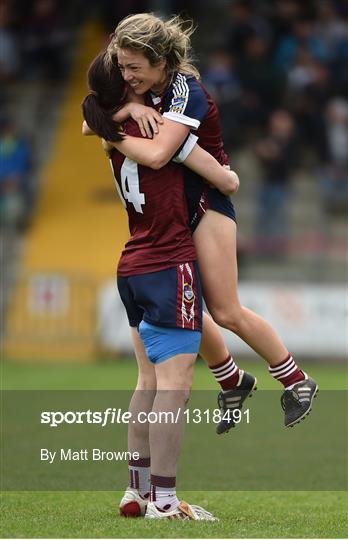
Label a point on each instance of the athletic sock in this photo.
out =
(287, 372)
(139, 476)
(226, 373)
(163, 492)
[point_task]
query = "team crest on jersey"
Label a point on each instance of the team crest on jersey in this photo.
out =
(188, 292)
(187, 306)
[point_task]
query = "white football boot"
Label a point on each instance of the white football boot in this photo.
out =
(183, 511)
(132, 504)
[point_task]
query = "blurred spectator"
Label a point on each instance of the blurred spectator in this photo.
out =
(309, 107)
(220, 77)
(262, 83)
(45, 41)
(15, 166)
(243, 23)
(283, 16)
(334, 176)
(302, 36)
(331, 29)
(222, 82)
(301, 73)
(9, 50)
(277, 157)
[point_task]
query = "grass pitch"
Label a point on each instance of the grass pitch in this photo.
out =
(242, 514)
(121, 374)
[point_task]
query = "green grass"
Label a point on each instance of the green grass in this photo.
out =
(121, 374)
(247, 514)
(242, 515)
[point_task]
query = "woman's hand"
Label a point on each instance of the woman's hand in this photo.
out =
(217, 176)
(147, 118)
(234, 183)
(230, 184)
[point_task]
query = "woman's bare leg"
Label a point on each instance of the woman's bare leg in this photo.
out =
(174, 380)
(212, 349)
(134, 500)
(142, 399)
(215, 241)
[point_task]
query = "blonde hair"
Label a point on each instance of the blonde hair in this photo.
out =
(158, 40)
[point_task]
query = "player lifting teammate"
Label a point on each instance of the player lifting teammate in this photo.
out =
(159, 284)
(154, 57)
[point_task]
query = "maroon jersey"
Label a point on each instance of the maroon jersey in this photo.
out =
(157, 214)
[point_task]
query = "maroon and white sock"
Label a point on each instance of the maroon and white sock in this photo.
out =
(163, 492)
(226, 373)
(287, 372)
(139, 476)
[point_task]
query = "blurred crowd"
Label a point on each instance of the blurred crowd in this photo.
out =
(15, 169)
(35, 37)
(279, 74)
(278, 70)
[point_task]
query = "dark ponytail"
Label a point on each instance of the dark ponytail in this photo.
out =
(107, 90)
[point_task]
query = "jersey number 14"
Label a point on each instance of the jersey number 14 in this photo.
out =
(130, 185)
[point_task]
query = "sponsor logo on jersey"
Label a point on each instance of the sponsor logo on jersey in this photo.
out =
(178, 100)
(178, 104)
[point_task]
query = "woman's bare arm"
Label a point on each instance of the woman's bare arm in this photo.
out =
(206, 166)
(155, 153)
(147, 152)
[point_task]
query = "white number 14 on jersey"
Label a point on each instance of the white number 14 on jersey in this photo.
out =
(130, 185)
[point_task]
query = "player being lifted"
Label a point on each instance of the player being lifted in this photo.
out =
(154, 57)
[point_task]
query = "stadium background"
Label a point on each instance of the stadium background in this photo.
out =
(63, 228)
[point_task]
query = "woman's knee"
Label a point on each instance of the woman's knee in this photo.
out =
(177, 382)
(146, 381)
(179, 385)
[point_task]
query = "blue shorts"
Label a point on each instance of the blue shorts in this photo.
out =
(166, 307)
(201, 198)
(163, 343)
(169, 298)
